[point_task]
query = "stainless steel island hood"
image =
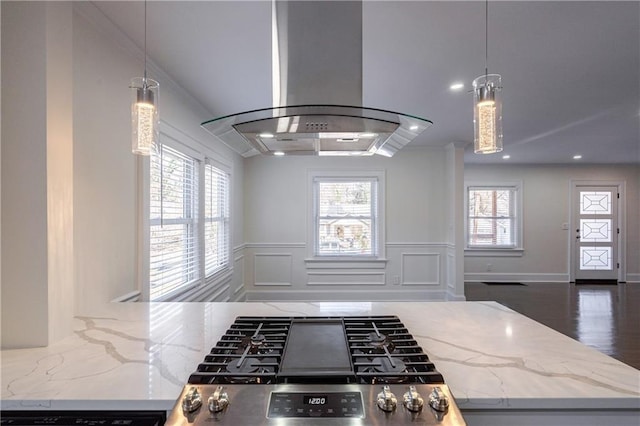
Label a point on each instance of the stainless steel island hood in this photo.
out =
(317, 91)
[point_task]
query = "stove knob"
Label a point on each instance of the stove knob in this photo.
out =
(412, 400)
(387, 400)
(192, 400)
(218, 401)
(438, 400)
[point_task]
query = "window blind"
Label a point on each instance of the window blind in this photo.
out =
(216, 219)
(491, 220)
(345, 216)
(173, 245)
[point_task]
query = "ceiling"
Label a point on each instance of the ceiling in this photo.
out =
(570, 70)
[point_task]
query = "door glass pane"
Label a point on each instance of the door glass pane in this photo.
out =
(595, 202)
(595, 230)
(596, 258)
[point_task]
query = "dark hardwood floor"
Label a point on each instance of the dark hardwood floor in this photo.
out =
(605, 317)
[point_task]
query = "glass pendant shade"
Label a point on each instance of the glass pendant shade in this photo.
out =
(145, 129)
(487, 114)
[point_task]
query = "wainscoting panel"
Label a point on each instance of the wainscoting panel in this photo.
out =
(346, 278)
(284, 271)
(272, 269)
(238, 277)
(451, 272)
(420, 269)
(279, 295)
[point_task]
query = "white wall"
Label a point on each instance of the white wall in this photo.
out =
(37, 192)
(106, 209)
(24, 165)
(105, 179)
(277, 212)
(546, 191)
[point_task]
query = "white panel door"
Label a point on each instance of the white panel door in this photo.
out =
(596, 232)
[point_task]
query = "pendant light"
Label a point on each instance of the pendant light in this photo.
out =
(487, 101)
(144, 108)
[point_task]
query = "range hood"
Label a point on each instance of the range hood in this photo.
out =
(317, 91)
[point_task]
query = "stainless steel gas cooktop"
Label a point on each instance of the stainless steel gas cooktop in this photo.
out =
(307, 370)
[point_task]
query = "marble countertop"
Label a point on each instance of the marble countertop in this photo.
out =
(139, 356)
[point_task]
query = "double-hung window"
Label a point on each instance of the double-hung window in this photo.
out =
(216, 218)
(493, 218)
(189, 225)
(346, 215)
(173, 221)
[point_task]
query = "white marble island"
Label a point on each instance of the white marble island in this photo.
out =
(502, 367)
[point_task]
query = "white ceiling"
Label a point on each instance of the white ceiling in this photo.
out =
(570, 70)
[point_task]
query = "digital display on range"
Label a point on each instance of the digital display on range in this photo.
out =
(314, 399)
(326, 404)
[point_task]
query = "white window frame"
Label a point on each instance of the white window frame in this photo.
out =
(378, 222)
(180, 141)
(224, 219)
(499, 250)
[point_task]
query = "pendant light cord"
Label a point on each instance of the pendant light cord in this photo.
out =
(145, 41)
(486, 39)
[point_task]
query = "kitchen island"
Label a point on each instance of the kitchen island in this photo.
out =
(502, 367)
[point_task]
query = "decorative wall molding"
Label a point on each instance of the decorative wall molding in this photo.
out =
(328, 263)
(412, 269)
(397, 244)
(274, 245)
(272, 269)
(346, 278)
(354, 295)
(451, 273)
(238, 265)
(283, 271)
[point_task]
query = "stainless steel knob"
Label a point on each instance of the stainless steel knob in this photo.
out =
(412, 400)
(192, 400)
(438, 400)
(387, 401)
(218, 401)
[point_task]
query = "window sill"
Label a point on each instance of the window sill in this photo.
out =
(494, 252)
(331, 262)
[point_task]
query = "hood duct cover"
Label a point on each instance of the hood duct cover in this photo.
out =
(317, 91)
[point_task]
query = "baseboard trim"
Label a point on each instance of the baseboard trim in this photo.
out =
(516, 277)
(633, 278)
(451, 297)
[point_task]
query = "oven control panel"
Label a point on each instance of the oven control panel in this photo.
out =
(315, 404)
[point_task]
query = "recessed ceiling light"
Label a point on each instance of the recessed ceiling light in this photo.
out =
(577, 157)
(456, 86)
(266, 135)
(368, 135)
(414, 127)
(278, 153)
(506, 157)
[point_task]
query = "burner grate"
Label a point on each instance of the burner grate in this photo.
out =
(249, 352)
